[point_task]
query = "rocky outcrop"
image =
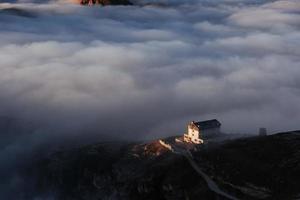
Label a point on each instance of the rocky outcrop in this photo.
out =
(105, 2)
(265, 167)
(132, 171)
(252, 168)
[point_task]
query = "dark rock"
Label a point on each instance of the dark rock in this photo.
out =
(105, 2)
(250, 168)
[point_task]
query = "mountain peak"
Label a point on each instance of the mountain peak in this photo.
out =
(105, 2)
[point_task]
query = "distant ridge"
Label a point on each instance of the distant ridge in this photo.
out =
(105, 2)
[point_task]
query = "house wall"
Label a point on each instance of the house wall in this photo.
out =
(210, 132)
(193, 134)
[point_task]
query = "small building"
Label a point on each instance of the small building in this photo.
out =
(197, 130)
(262, 132)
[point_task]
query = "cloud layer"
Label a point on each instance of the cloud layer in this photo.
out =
(143, 67)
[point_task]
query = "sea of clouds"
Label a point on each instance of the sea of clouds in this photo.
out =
(145, 71)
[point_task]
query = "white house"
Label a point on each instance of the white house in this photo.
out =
(197, 130)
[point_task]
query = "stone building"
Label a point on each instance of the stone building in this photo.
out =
(262, 132)
(196, 131)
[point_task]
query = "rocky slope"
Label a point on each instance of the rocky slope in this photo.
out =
(105, 2)
(114, 171)
(256, 168)
(251, 168)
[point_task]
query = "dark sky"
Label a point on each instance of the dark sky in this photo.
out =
(144, 72)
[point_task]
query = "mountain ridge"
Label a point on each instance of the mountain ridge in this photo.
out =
(152, 171)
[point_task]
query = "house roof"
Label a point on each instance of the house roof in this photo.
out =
(208, 124)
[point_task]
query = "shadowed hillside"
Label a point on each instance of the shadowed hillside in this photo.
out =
(130, 171)
(259, 167)
(251, 168)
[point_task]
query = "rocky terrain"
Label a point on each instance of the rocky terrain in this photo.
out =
(250, 168)
(105, 2)
(114, 171)
(256, 168)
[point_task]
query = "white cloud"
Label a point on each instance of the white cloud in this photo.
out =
(278, 16)
(112, 61)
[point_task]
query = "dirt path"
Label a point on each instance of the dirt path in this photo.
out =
(210, 183)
